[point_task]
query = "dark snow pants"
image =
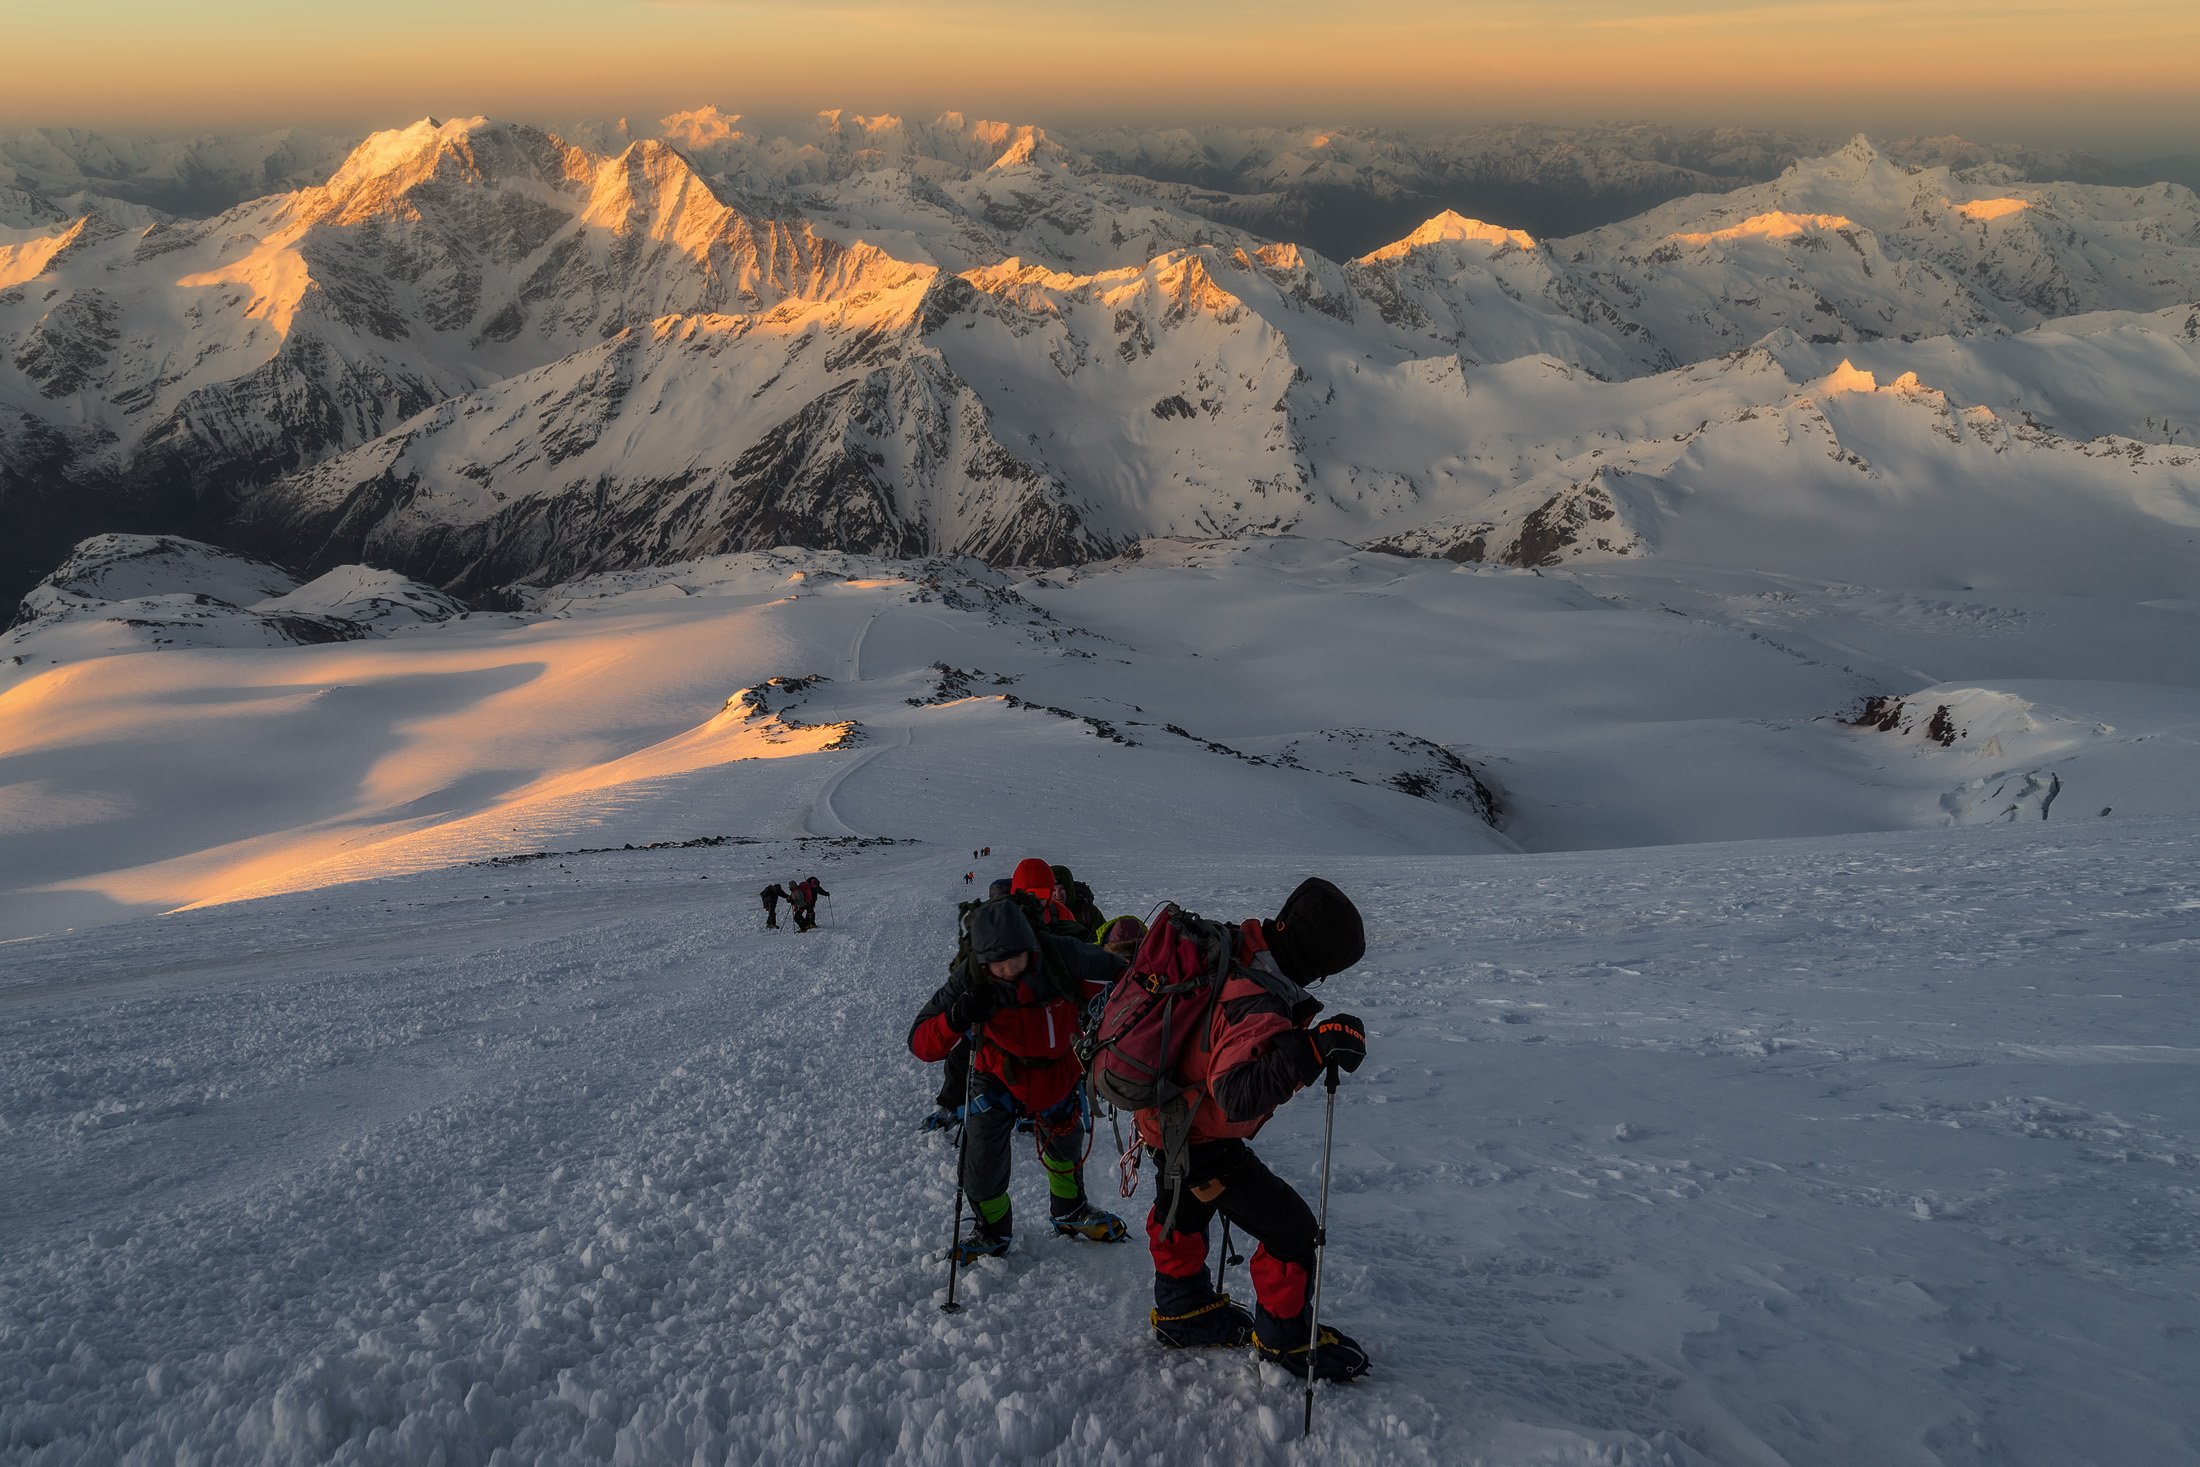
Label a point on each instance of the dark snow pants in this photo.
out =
(992, 1118)
(1258, 1203)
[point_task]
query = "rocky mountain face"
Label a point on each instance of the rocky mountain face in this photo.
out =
(482, 353)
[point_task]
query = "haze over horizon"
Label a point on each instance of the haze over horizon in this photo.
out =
(2113, 79)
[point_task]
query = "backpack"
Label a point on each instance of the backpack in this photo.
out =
(1152, 1020)
(1085, 908)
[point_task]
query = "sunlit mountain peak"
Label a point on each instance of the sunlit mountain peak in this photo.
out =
(400, 157)
(1453, 228)
(1777, 224)
(29, 259)
(839, 120)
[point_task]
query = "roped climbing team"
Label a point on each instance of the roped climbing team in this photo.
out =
(1036, 960)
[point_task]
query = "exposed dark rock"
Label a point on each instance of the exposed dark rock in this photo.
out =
(1558, 524)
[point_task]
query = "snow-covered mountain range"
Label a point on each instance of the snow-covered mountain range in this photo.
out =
(481, 353)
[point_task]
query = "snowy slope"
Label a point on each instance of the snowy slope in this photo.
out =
(1337, 700)
(645, 713)
(2127, 374)
(1866, 1150)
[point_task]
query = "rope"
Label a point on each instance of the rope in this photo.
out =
(1126, 1165)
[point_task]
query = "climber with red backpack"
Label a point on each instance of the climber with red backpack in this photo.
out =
(804, 895)
(1018, 996)
(1206, 1035)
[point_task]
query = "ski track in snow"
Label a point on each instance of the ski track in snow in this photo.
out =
(823, 813)
(1868, 1149)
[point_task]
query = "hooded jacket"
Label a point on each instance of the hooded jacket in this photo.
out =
(1025, 1046)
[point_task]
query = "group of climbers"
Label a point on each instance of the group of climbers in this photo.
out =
(1036, 965)
(802, 897)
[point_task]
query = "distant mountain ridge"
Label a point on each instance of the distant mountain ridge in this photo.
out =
(482, 352)
(1342, 190)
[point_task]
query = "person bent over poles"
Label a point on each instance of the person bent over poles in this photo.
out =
(1257, 1054)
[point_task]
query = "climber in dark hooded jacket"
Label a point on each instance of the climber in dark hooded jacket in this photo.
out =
(1020, 997)
(947, 1105)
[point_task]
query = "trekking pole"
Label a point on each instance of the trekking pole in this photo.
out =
(1321, 1242)
(1228, 1257)
(962, 1146)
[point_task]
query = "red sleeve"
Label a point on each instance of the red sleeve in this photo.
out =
(933, 1039)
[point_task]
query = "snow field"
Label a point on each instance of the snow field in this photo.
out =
(1857, 1149)
(1227, 695)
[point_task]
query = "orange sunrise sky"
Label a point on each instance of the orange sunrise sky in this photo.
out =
(2116, 75)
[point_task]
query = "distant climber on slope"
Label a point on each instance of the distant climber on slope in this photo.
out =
(1018, 996)
(804, 897)
(773, 895)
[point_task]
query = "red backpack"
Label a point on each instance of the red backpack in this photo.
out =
(1153, 1019)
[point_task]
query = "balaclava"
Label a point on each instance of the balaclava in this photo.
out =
(1317, 932)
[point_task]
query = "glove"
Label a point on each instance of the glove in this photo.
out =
(1339, 1040)
(972, 1007)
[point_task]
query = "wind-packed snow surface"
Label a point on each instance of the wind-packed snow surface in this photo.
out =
(1864, 1149)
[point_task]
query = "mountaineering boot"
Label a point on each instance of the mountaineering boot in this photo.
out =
(1219, 1324)
(1090, 1223)
(1337, 1357)
(982, 1244)
(992, 1227)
